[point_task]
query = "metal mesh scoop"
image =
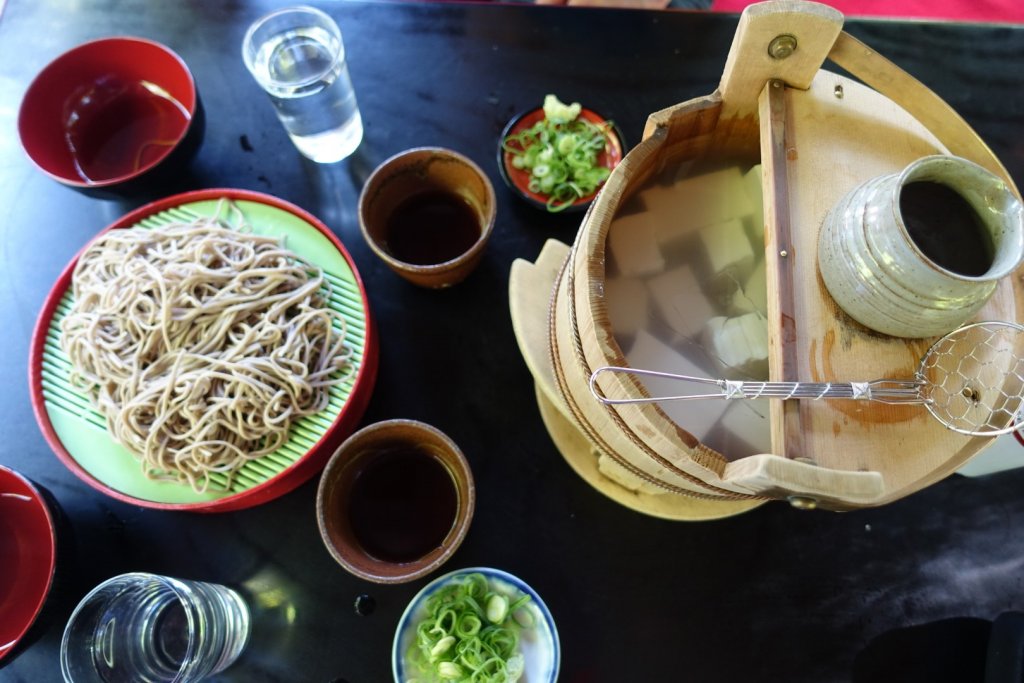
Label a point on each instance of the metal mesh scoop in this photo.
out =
(971, 380)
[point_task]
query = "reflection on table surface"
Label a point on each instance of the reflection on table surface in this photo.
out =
(774, 593)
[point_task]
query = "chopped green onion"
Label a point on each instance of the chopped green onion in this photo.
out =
(449, 670)
(523, 617)
(468, 634)
(514, 666)
(442, 646)
(468, 626)
(560, 152)
(497, 608)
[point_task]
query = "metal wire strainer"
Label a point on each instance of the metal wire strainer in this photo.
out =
(971, 380)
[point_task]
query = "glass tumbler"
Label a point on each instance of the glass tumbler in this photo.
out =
(297, 56)
(146, 628)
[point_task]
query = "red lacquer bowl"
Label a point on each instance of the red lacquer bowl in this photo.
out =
(108, 112)
(28, 556)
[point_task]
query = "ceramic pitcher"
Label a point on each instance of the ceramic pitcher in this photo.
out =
(917, 253)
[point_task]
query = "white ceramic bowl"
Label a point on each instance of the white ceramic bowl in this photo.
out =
(539, 644)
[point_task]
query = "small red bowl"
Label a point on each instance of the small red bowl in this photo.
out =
(518, 180)
(28, 556)
(108, 112)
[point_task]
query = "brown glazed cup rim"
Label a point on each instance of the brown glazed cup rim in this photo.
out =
(346, 550)
(385, 169)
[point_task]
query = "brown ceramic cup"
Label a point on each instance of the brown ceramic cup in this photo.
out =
(423, 172)
(351, 487)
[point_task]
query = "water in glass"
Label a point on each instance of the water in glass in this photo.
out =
(304, 72)
(142, 628)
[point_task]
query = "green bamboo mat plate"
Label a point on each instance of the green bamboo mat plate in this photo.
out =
(82, 430)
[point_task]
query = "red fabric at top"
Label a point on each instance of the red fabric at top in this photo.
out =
(954, 10)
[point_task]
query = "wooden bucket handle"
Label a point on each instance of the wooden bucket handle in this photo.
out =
(916, 99)
(803, 484)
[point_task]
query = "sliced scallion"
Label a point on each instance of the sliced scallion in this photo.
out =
(468, 634)
(560, 152)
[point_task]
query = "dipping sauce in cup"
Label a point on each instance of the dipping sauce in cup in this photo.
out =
(428, 213)
(402, 504)
(431, 227)
(395, 501)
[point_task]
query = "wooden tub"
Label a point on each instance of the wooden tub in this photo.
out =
(817, 135)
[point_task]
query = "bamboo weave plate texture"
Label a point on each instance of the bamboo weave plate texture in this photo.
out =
(81, 432)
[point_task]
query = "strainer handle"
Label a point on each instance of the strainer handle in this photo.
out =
(883, 390)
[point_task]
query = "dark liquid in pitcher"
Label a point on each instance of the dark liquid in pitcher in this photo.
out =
(946, 228)
(431, 227)
(403, 504)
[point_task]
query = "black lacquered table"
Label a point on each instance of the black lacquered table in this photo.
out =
(773, 594)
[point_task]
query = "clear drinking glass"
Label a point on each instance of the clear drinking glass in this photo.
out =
(298, 58)
(146, 628)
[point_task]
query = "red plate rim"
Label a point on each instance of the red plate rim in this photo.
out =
(518, 180)
(296, 473)
(40, 600)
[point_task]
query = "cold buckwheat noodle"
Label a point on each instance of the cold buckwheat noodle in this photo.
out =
(201, 343)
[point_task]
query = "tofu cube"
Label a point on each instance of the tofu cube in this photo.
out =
(633, 246)
(695, 202)
(680, 301)
(727, 250)
(706, 198)
(740, 345)
(672, 213)
(752, 297)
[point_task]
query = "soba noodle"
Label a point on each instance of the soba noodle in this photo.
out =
(201, 344)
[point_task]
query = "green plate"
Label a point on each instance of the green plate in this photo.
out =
(83, 431)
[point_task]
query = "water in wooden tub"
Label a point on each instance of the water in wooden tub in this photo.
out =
(686, 293)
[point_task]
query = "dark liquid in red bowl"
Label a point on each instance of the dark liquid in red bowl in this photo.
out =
(115, 128)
